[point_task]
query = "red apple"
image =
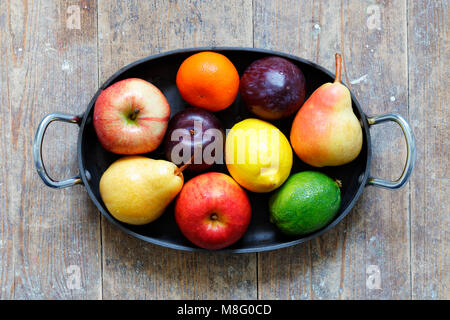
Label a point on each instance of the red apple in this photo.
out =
(212, 211)
(131, 117)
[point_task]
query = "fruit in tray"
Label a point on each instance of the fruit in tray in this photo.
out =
(258, 155)
(208, 80)
(136, 190)
(131, 117)
(307, 202)
(212, 211)
(325, 131)
(273, 88)
(194, 132)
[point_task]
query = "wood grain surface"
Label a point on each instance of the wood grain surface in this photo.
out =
(55, 54)
(429, 61)
(46, 67)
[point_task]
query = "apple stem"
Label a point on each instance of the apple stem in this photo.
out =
(338, 67)
(339, 183)
(134, 114)
(180, 170)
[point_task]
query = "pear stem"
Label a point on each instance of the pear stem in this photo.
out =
(338, 67)
(180, 170)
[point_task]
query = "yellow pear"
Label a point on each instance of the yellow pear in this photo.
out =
(326, 132)
(137, 190)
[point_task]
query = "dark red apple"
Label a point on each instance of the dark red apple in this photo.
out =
(189, 133)
(273, 88)
(212, 211)
(131, 117)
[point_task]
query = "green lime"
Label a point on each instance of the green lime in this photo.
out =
(305, 203)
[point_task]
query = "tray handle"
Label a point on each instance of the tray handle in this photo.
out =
(410, 153)
(37, 150)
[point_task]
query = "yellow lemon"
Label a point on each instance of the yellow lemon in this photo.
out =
(258, 155)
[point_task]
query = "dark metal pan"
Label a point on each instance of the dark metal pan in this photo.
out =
(261, 235)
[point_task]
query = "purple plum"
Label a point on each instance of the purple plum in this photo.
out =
(273, 88)
(194, 135)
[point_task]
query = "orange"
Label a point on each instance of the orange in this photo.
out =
(208, 80)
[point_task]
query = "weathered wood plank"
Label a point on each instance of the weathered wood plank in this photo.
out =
(429, 60)
(6, 221)
(134, 269)
(46, 67)
(372, 39)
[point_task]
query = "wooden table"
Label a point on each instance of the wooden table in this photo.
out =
(55, 244)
